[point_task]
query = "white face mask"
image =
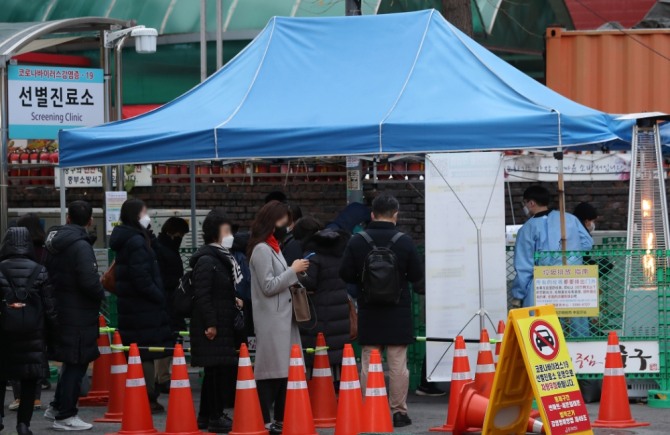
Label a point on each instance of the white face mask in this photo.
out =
(592, 227)
(145, 221)
(526, 211)
(227, 241)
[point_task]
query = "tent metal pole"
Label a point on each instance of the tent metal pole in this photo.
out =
(219, 35)
(194, 224)
(4, 138)
(63, 206)
(203, 40)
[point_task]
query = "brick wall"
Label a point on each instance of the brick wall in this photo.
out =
(324, 200)
(610, 198)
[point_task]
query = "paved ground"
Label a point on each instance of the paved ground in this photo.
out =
(425, 412)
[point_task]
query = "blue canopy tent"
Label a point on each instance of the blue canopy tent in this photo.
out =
(399, 83)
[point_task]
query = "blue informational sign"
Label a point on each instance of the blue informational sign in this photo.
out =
(45, 99)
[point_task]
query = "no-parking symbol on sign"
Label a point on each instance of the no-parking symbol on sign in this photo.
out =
(544, 339)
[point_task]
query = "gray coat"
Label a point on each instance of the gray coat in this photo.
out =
(276, 331)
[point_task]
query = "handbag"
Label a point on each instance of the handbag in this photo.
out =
(108, 279)
(300, 302)
(239, 323)
(353, 320)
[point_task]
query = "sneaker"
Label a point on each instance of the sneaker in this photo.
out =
(220, 425)
(156, 408)
(14, 405)
(203, 422)
(38, 404)
(274, 428)
(401, 420)
(71, 424)
(429, 390)
(50, 413)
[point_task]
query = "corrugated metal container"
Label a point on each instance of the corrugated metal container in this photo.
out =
(613, 71)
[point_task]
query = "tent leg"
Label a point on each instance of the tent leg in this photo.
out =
(63, 206)
(194, 224)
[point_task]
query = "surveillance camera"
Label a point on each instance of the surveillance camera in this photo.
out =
(145, 40)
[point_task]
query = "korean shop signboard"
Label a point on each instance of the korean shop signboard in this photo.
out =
(44, 100)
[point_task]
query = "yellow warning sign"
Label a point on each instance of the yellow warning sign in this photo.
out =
(572, 290)
(535, 363)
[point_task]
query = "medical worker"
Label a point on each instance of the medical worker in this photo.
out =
(542, 232)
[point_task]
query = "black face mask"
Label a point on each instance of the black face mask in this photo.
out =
(280, 233)
(176, 242)
(92, 237)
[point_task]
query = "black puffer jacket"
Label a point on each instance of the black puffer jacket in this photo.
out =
(384, 324)
(214, 305)
(330, 298)
(73, 272)
(142, 306)
(23, 354)
(172, 269)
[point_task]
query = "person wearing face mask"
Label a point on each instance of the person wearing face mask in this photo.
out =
(587, 215)
(542, 232)
(166, 246)
(213, 342)
(276, 329)
(142, 304)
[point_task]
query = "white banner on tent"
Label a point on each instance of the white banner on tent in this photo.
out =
(452, 283)
(577, 167)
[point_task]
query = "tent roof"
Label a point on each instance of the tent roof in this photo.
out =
(397, 83)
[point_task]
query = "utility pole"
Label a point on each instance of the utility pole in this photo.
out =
(354, 165)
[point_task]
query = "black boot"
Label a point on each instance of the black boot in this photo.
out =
(220, 425)
(23, 429)
(203, 422)
(2, 426)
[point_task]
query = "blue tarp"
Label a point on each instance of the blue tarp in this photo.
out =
(399, 83)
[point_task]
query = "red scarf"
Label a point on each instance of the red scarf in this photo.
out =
(272, 241)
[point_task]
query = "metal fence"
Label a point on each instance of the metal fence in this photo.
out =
(633, 302)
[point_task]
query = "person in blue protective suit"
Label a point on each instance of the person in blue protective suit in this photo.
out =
(542, 232)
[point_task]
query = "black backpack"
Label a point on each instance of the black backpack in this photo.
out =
(21, 310)
(380, 280)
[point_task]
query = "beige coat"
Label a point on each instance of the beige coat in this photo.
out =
(276, 331)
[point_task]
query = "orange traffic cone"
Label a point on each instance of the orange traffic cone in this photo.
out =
(136, 412)
(248, 417)
(298, 418)
(460, 375)
(118, 384)
(614, 407)
(376, 411)
(98, 395)
(181, 412)
(472, 412)
(321, 387)
(350, 405)
(486, 369)
(501, 334)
